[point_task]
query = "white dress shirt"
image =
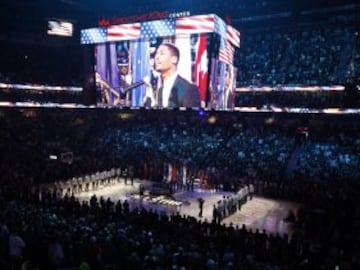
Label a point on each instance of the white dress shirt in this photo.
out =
(167, 86)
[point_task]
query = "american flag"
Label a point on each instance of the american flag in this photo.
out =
(220, 27)
(162, 28)
(60, 28)
(233, 35)
(94, 35)
(123, 32)
(159, 28)
(195, 24)
(226, 52)
(227, 32)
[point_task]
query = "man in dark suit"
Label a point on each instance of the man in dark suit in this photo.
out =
(175, 90)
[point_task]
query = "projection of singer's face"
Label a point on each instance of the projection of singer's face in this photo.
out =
(165, 61)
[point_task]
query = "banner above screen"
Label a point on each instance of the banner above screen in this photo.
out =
(198, 24)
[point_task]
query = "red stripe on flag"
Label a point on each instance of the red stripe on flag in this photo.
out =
(123, 31)
(227, 55)
(195, 24)
(233, 35)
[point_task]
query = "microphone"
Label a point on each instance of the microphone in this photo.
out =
(136, 84)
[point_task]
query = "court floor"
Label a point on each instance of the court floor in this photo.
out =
(259, 213)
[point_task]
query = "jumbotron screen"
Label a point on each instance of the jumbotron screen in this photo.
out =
(164, 72)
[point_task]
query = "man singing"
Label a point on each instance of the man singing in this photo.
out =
(175, 90)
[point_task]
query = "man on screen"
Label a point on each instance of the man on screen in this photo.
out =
(175, 90)
(229, 88)
(124, 81)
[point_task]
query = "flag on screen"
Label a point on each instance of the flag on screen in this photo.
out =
(213, 83)
(220, 27)
(233, 35)
(123, 32)
(162, 28)
(226, 51)
(227, 32)
(140, 69)
(201, 67)
(159, 28)
(195, 24)
(213, 74)
(94, 35)
(106, 68)
(221, 92)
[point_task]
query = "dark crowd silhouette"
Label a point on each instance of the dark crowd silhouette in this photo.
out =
(41, 230)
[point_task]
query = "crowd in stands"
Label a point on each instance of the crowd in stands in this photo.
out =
(320, 160)
(311, 55)
(41, 96)
(105, 138)
(319, 99)
(50, 231)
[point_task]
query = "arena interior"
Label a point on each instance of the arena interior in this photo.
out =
(270, 182)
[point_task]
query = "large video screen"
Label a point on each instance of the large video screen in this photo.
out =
(163, 72)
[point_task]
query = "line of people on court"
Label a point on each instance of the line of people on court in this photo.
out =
(230, 204)
(91, 182)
